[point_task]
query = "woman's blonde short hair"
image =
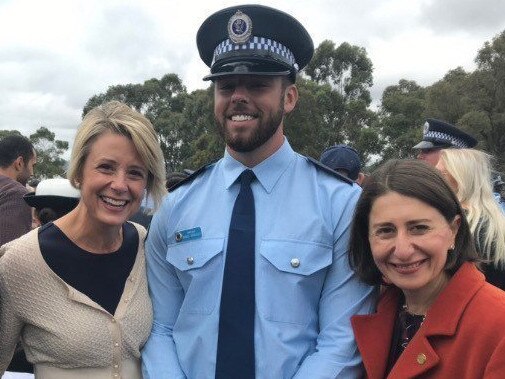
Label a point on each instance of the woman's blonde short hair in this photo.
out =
(119, 118)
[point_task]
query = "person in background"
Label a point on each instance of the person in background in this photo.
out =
(175, 177)
(32, 186)
(345, 160)
(498, 189)
(145, 213)
(438, 135)
(75, 289)
(17, 159)
(247, 258)
(52, 199)
(437, 318)
(468, 172)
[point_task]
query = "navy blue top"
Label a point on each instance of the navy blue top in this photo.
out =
(101, 277)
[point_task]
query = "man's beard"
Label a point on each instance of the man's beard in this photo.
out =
(23, 177)
(265, 129)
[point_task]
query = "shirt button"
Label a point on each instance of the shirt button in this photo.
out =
(113, 319)
(190, 260)
(295, 263)
(116, 366)
(421, 359)
(116, 344)
(126, 300)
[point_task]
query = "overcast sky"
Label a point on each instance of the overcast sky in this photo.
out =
(55, 55)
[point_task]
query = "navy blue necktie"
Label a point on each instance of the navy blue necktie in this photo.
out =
(235, 347)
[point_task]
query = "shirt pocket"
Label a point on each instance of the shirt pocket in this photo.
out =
(290, 279)
(198, 263)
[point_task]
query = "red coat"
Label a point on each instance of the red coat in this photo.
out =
(462, 337)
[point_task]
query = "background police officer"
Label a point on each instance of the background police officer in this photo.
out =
(438, 135)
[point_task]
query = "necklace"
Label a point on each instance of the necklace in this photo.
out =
(405, 308)
(410, 324)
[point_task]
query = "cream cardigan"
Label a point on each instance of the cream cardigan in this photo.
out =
(64, 333)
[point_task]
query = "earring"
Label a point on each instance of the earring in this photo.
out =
(451, 249)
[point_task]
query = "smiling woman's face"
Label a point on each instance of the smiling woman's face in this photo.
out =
(113, 180)
(410, 240)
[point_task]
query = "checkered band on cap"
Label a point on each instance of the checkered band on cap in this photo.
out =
(259, 44)
(458, 142)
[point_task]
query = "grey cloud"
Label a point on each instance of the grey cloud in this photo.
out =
(31, 70)
(465, 15)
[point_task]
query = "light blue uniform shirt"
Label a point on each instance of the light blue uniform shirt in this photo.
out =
(500, 201)
(302, 321)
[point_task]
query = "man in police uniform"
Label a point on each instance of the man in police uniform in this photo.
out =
(304, 292)
(438, 135)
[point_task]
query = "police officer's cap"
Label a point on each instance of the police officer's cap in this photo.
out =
(342, 157)
(253, 40)
(441, 135)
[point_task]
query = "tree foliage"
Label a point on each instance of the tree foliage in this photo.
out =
(49, 152)
(152, 98)
(473, 101)
(489, 97)
(5, 133)
(339, 92)
(335, 107)
(400, 115)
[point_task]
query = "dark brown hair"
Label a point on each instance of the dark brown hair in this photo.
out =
(416, 179)
(14, 146)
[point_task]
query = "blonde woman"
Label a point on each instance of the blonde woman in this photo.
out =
(75, 290)
(468, 172)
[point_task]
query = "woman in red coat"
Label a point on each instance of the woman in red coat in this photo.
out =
(437, 317)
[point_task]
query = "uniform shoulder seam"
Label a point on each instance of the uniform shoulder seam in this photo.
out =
(328, 170)
(191, 177)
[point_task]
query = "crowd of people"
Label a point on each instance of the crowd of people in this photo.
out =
(265, 264)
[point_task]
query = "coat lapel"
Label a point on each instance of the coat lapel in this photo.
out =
(442, 319)
(373, 334)
(418, 358)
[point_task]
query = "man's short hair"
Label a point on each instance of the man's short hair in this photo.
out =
(14, 146)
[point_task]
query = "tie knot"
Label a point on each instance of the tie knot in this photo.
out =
(246, 177)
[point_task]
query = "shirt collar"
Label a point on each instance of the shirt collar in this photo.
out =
(267, 172)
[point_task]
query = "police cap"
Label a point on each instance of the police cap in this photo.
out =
(441, 135)
(253, 40)
(342, 157)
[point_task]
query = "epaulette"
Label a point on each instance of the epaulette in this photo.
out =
(190, 177)
(321, 166)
